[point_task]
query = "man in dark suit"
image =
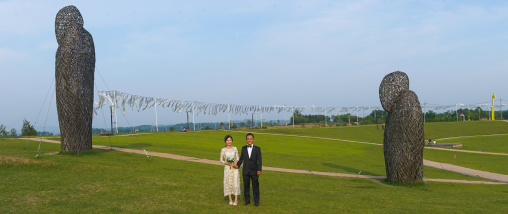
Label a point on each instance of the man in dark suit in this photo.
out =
(252, 164)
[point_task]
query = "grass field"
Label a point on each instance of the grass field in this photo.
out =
(305, 153)
(324, 155)
(107, 181)
(432, 130)
(496, 143)
(371, 133)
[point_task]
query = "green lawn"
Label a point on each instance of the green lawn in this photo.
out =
(471, 128)
(278, 151)
(432, 130)
(106, 181)
(370, 133)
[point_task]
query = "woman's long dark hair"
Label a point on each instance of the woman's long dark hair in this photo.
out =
(226, 138)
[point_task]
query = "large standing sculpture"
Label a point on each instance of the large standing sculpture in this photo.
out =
(74, 74)
(403, 138)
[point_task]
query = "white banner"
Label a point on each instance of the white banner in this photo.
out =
(119, 99)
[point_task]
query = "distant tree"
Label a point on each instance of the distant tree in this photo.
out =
(172, 128)
(14, 133)
(249, 123)
(28, 130)
(430, 116)
(367, 120)
(242, 124)
(3, 132)
(45, 133)
(378, 115)
(299, 118)
(222, 125)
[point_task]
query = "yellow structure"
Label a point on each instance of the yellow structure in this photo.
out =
(492, 108)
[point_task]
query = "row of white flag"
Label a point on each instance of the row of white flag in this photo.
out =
(120, 99)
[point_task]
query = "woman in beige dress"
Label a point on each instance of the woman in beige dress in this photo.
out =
(229, 157)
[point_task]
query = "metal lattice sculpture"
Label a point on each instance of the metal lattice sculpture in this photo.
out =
(404, 137)
(74, 74)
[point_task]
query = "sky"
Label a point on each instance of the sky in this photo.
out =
(296, 53)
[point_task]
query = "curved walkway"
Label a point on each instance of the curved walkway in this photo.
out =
(500, 178)
(483, 135)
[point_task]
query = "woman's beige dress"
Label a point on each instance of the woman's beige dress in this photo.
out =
(231, 175)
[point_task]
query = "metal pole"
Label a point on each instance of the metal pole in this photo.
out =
(261, 118)
(193, 123)
(424, 111)
(116, 116)
(356, 115)
(116, 121)
(293, 112)
(456, 113)
(187, 119)
(111, 108)
(326, 124)
(229, 119)
(285, 121)
(156, 124)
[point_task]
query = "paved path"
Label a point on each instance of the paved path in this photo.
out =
(502, 179)
(468, 151)
(469, 136)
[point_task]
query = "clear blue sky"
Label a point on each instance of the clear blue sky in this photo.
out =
(301, 53)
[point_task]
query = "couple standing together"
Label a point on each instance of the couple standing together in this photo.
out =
(251, 160)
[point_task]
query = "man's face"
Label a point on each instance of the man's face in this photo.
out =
(250, 139)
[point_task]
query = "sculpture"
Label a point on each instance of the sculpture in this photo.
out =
(74, 76)
(404, 138)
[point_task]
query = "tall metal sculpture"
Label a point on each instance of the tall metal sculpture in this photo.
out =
(404, 137)
(74, 74)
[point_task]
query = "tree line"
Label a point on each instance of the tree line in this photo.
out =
(379, 117)
(26, 130)
(375, 117)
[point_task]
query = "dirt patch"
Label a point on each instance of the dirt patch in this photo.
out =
(10, 160)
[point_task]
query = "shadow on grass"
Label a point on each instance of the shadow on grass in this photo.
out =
(348, 169)
(402, 184)
(86, 152)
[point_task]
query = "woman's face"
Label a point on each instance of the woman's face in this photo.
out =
(229, 141)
